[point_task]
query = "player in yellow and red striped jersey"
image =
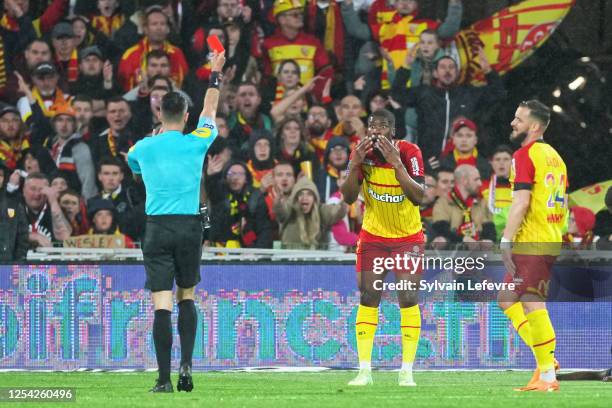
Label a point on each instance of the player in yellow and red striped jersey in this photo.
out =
(390, 175)
(532, 237)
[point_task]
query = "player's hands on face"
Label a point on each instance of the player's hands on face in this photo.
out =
(388, 150)
(217, 61)
(361, 150)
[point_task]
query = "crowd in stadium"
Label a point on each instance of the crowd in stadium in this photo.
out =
(81, 82)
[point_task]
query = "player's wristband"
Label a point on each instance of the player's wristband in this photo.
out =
(215, 79)
(505, 243)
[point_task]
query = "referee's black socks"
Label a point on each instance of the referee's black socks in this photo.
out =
(187, 325)
(162, 337)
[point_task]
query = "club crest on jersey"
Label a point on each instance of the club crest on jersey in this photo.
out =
(386, 198)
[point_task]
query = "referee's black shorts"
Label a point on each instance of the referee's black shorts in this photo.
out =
(172, 249)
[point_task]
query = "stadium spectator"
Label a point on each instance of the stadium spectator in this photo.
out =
(75, 211)
(95, 76)
(108, 18)
(461, 217)
(317, 124)
(246, 118)
(118, 137)
(287, 78)
(64, 45)
(147, 110)
(51, 15)
(222, 126)
(37, 159)
(429, 198)
(261, 159)
(44, 94)
(496, 190)
(335, 161)
(283, 176)
(70, 153)
(290, 41)
(16, 31)
(445, 181)
(157, 65)
(294, 101)
(36, 52)
(464, 139)
(292, 147)
(439, 103)
(103, 220)
(128, 201)
(59, 181)
(13, 223)
(13, 140)
(345, 232)
(579, 233)
(401, 34)
(304, 222)
(350, 125)
(47, 222)
(239, 210)
(156, 30)
(83, 107)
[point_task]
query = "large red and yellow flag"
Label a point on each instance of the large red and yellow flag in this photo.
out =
(509, 36)
(592, 197)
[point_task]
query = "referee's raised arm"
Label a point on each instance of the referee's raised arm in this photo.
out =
(211, 99)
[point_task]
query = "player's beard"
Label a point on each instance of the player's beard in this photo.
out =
(518, 139)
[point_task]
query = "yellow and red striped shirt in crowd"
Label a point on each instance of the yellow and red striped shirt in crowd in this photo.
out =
(305, 49)
(398, 36)
(389, 214)
(539, 168)
(134, 61)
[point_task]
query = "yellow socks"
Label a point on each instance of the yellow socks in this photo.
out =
(516, 314)
(365, 329)
(543, 336)
(410, 326)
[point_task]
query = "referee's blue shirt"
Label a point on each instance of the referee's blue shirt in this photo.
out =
(171, 167)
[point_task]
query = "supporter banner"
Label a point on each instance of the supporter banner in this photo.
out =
(509, 36)
(592, 197)
(98, 316)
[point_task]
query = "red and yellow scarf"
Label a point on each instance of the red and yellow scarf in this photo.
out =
(73, 66)
(469, 158)
(58, 99)
(108, 25)
(11, 152)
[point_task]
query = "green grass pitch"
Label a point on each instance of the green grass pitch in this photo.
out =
(469, 389)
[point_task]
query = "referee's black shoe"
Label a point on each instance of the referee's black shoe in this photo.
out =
(162, 387)
(185, 382)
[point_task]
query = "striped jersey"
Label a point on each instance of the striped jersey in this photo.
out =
(389, 214)
(539, 168)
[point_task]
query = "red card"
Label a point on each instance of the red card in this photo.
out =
(215, 44)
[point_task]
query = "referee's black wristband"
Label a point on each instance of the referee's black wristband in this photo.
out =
(215, 79)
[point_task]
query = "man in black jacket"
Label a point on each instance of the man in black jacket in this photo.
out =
(438, 104)
(13, 224)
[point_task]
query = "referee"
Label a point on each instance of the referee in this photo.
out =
(170, 164)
